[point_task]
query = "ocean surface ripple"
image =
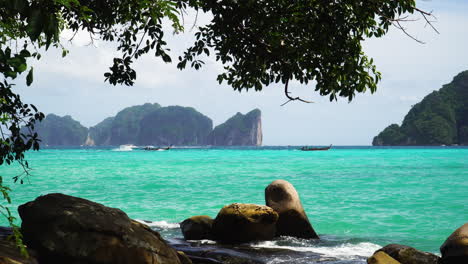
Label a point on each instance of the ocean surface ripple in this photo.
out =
(357, 198)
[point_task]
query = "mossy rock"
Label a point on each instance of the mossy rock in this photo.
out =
(239, 223)
(381, 257)
(409, 255)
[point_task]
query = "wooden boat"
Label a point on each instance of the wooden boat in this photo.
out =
(157, 149)
(315, 149)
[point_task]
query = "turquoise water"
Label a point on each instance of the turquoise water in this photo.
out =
(360, 196)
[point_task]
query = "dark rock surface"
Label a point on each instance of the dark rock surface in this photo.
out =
(67, 229)
(201, 253)
(197, 227)
(409, 255)
(10, 254)
(237, 223)
(239, 130)
(293, 221)
(455, 248)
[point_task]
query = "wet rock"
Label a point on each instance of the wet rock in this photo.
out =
(455, 248)
(215, 253)
(238, 223)
(283, 198)
(67, 229)
(381, 257)
(197, 227)
(409, 255)
(10, 254)
(184, 259)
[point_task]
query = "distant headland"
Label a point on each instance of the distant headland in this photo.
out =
(152, 124)
(441, 118)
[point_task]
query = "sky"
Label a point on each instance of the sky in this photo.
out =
(75, 85)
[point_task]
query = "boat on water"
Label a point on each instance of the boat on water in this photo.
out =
(315, 149)
(151, 148)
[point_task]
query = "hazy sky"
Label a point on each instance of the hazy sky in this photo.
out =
(75, 85)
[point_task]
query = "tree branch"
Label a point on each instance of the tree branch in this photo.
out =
(286, 92)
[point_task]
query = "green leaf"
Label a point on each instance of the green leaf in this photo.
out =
(22, 67)
(35, 24)
(29, 77)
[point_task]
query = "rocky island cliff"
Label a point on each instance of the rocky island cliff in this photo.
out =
(441, 118)
(239, 130)
(152, 124)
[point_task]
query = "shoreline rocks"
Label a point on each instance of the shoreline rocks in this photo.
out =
(238, 223)
(455, 248)
(381, 257)
(10, 254)
(408, 255)
(197, 227)
(293, 221)
(67, 229)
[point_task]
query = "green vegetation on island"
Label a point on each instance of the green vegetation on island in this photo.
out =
(174, 125)
(151, 124)
(441, 118)
(124, 128)
(61, 131)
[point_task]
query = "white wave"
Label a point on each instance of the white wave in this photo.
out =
(204, 242)
(159, 224)
(127, 147)
(345, 251)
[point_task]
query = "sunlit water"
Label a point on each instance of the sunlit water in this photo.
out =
(357, 199)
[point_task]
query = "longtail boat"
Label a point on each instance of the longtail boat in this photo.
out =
(315, 149)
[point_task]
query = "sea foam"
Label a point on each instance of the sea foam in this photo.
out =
(345, 251)
(159, 224)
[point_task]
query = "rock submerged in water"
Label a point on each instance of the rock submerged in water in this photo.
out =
(238, 223)
(284, 199)
(408, 255)
(197, 227)
(455, 248)
(67, 229)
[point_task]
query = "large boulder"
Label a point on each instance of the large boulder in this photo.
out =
(455, 248)
(409, 255)
(238, 223)
(67, 229)
(283, 198)
(381, 257)
(197, 227)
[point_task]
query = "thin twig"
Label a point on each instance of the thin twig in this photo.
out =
(194, 22)
(71, 39)
(400, 27)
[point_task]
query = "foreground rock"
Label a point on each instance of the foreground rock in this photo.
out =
(238, 223)
(66, 229)
(197, 227)
(455, 248)
(283, 198)
(409, 255)
(9, 254)
(381, 257)
(243, 254)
